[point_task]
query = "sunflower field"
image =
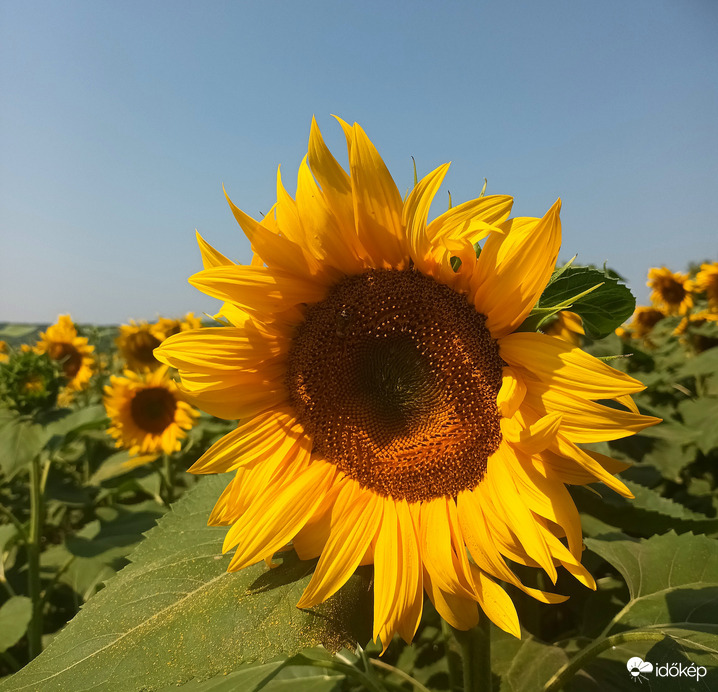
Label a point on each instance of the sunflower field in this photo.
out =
(450, 533)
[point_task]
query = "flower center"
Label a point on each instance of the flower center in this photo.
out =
(153, 409)
(142, 345)
(673, 292)
(395, 377)
(68, 355)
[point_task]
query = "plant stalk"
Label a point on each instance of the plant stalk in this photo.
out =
(34, 632)
(564, 674)
(476, 656)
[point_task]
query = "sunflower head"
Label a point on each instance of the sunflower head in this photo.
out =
(670, 291)
(167, 326)
(136, 344)
(147, 414)
(62, 344)
(4, 352)
(391, 413)
(644, 319)
(30, 382)
(706, 281)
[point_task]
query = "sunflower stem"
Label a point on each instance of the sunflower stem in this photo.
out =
(168, 478)
(564, 674)
(476, 656)
(34, 631)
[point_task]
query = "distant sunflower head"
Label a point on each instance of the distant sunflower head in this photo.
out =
(391, 413)
(147, 414)
(567, 326)
(706, 281)
(644, 319)
(4, 352)
(167, 326)
(136, 344)
(670, 291)
(692, 330)
(62, 343)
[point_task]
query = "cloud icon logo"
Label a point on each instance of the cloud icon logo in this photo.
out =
(637, 666)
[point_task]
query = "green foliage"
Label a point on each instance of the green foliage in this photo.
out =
(596, 295)
(148, 627)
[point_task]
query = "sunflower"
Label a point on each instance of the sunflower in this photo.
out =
(136, 344)
(706, 281)
(390, 412)
(62, 344)
(147, 414)
(670, 291)
(567, 326)
(168, 326)
(4, 352)
(644, 319)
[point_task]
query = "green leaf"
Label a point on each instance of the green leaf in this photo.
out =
(524, 665)
(20, 441)
(17, 331)
(15, 616)
(672, 580)
(701, 415)
(175, 614)
(647, 514)
(596, 295)
(268, 677)
(92, 417)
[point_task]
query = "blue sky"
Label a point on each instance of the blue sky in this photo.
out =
(119, 122)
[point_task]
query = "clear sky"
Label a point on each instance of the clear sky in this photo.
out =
(119, 122)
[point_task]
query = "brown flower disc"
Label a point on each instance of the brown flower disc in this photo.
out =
(395, 377)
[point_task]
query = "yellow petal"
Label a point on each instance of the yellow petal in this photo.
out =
(416, 213)
(214, 349)
(471, 221)
(513, 269)
(511, 393)
(210, 256)
(436, 548)
(561, 365)
(584, 420)
(377, 205)
(496, 603)
(276, 515)
(257, 288)
(268, 434)
(354, 524)
(460, 613)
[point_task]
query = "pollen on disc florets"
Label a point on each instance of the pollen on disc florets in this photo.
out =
(395, 377)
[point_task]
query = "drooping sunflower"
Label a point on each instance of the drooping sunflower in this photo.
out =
(74, 354)
(670, 291)
(136, 344)
(644, 319)
(390, 411)
(706, 281)
(147, 414)
(567, 326)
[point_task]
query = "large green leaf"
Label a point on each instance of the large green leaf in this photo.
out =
(647, 514)
(175, 614)
(20, 441)
(524, 665)
(672, 580)
(595, 294)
